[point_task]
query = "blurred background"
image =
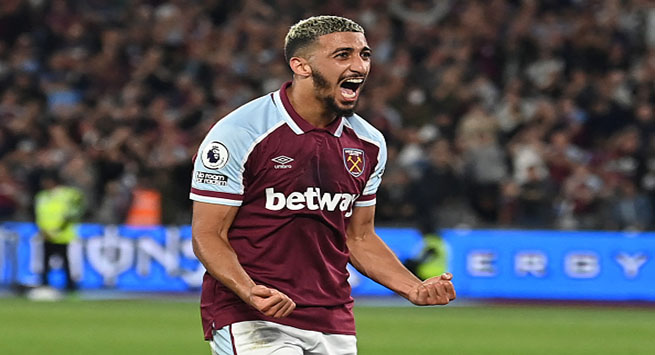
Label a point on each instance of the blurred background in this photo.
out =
(521, 138)
(535, 114)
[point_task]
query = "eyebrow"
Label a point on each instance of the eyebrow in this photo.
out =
(349, 49)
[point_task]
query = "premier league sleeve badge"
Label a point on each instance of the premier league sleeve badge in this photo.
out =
(214, 155)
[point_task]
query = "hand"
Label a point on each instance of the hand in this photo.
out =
(433, 291)
(270, 301)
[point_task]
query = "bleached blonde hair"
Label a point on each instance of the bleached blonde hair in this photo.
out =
(306, 32)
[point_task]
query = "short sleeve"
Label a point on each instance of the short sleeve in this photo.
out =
(218, 166)
(373, 183)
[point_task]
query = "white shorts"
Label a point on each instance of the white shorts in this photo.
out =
(268, 338)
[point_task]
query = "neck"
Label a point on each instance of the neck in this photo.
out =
(309, 107)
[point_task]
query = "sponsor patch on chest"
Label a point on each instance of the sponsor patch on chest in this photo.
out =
(311, 199)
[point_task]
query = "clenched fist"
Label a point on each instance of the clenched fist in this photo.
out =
(270, 301)
(433, 291)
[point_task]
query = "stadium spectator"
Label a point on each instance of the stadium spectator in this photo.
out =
(395, 196)
(631, 209)
(10, 192)
(436, 206)
(581, 206)
(118, 77)
(58, 210)
(535, 200)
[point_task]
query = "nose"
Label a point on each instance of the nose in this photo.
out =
(359, 65)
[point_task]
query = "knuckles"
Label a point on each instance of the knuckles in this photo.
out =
(434, 292)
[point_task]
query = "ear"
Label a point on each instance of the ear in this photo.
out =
(300, 66)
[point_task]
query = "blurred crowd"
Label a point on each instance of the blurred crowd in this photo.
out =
(527, 114)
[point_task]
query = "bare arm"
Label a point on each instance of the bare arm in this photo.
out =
(210, 225)
(373, 258)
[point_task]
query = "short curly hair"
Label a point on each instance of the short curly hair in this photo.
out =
(307, 31)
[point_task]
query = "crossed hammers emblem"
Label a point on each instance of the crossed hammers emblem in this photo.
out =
(355, 163)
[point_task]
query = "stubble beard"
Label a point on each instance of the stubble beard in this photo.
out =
(321, 84)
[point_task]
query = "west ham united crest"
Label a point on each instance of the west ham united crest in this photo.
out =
(354, 160)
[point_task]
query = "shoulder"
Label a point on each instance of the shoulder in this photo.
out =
(249, 121)
(69, 192)
(364, 130)
(41, 195)
(236, 134)
(249, 114)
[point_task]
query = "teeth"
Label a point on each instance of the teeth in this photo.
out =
(355, 81)
(348, 95)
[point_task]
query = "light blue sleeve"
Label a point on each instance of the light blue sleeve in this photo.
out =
(375, 179)
(221, 158)
(219, 165)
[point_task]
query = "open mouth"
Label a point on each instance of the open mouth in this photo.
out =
(350, 88)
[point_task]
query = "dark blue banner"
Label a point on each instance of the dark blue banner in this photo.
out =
(486, 263)
(141, 259)
(124, 258)
(563, 265)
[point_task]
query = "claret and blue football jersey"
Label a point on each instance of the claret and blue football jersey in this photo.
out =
(296, 186)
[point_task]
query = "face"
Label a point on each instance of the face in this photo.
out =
(340, 64)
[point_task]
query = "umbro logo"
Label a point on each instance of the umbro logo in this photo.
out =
(282, 159)
(282, 162)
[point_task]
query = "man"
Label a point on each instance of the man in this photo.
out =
(287, 199)
(58, 210)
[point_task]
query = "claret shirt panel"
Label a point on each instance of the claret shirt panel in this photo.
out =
(296, 186)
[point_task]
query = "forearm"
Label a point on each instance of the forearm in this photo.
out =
(373, 258)
(220, 260)
(210, 226)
